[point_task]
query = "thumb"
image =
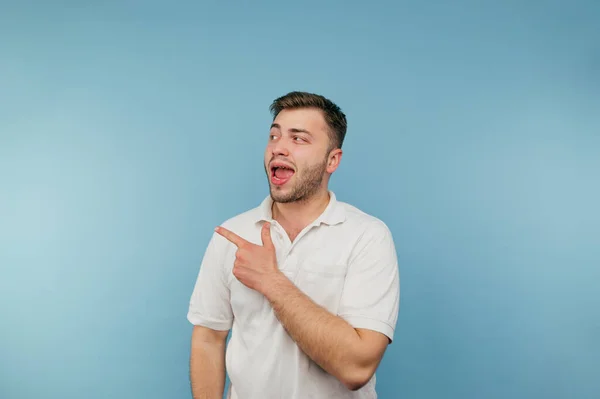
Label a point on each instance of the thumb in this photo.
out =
(266, 236)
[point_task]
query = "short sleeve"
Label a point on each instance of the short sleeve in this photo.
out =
(371, 294)
(209, 304)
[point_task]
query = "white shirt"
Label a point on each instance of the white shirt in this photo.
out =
(344, 261)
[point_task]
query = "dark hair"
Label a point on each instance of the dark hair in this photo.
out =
(334, 117)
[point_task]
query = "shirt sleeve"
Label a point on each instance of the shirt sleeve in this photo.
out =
(371, 295)
(209, 304)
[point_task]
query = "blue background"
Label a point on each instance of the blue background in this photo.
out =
(128, 130)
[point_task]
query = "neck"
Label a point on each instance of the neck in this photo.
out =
(299, 214)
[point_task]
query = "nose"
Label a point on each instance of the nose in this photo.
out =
(280, 147)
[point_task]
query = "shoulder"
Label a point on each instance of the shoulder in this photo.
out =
(245, 225)
(243, 220)
(374, 243)
(368, 224)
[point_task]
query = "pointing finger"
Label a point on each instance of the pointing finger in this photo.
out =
(231, 236)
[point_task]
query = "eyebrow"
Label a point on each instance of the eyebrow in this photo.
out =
(293, 130)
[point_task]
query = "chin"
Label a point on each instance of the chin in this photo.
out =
(280, 195)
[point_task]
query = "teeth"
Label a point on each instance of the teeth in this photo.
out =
(281, 167)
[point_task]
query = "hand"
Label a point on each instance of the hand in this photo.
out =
(255, 266)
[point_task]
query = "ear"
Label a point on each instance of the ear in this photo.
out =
(335, 157)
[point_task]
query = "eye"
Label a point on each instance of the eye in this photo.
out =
(298, 138)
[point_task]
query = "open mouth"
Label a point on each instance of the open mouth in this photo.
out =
(281, 174)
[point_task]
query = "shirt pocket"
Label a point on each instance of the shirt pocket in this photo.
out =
(322, 282)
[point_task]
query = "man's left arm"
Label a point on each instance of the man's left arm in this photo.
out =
(349, 346)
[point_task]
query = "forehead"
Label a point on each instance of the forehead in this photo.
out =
(310, 119)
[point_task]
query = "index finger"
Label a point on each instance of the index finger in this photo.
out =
(231, 236)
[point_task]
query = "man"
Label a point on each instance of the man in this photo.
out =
(308, 285)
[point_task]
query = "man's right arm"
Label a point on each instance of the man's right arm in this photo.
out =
(212, 317)
(207, 363)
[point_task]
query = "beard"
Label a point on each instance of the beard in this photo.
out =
(308, 182)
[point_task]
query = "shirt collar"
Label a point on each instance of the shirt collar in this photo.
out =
(333, 214)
